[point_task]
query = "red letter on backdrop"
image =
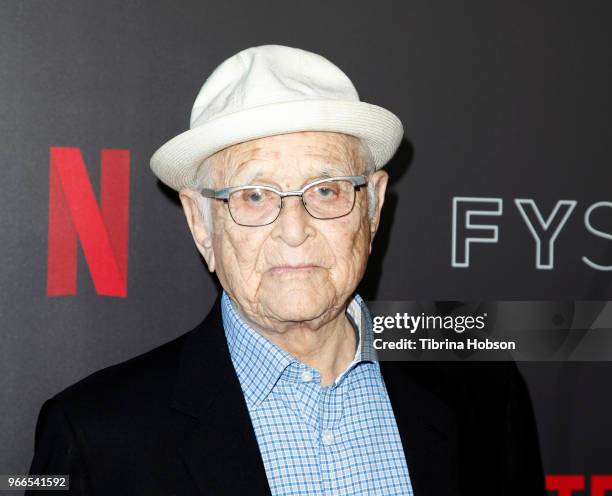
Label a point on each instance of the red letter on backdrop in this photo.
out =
(73, 211)
(600, 484)
(565, 485)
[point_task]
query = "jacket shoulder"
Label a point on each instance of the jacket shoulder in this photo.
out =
(137, 383)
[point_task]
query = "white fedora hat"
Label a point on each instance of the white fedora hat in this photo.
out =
(268, 90)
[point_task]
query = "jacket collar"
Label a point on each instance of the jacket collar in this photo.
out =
(215, 438)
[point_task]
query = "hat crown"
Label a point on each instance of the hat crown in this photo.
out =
(269, 74)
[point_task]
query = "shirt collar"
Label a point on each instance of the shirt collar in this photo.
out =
(259, 363)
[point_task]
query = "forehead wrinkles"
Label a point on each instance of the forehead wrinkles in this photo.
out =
(226, 162)
(333, 148)
(341, 149)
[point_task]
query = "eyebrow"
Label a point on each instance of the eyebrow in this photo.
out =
(328, 171)
(248, 179)
(332, 170)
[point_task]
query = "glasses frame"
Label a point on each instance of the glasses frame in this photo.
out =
(224, 194)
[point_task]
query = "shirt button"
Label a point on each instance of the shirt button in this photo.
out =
(327, 437)
(307, 376)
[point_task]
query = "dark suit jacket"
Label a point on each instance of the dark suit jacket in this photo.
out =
(173, 421)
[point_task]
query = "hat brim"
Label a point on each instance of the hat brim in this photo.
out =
(175, 163)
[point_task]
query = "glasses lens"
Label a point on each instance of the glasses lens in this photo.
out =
(254, 206)
(330, 199)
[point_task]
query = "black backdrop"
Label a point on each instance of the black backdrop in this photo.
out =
(501, 100)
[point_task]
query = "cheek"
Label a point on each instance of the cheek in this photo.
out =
(349, 242)
(237, 251)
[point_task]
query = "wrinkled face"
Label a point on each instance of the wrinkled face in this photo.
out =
(297, 269)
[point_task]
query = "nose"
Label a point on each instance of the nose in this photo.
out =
(294, 223)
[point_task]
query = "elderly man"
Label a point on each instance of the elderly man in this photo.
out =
(279, 390)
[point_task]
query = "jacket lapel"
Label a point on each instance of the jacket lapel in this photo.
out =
(427, 428)
(212, 428)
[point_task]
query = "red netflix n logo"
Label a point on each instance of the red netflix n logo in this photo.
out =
(102, 230)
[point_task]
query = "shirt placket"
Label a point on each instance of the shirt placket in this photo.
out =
(332, 466)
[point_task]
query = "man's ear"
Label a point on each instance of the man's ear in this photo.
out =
(199, 231)
(379, 180)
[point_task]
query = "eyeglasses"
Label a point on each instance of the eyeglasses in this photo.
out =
(261, 205)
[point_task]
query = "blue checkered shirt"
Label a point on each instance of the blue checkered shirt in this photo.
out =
(341, 439)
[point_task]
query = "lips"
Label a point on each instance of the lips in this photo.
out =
(279, 269)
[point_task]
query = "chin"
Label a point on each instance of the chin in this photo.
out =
(293, 304)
